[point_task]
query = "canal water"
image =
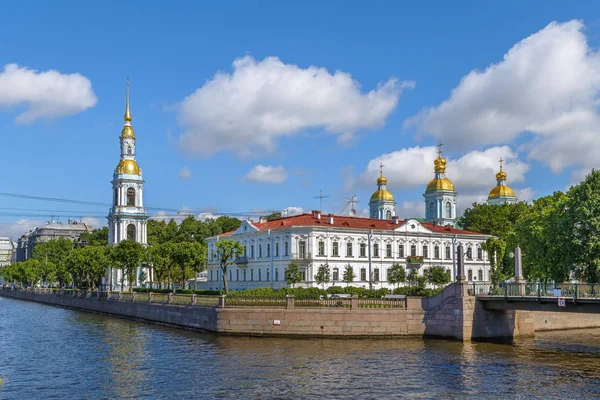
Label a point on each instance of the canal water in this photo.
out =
(53, 353)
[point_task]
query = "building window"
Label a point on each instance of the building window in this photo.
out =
(259, 274)
(211, 271)
(388, 250)
(363, 274)
(480, 275)
(268, 249)
(321, 248)
(376, 250)
(251, 275)
(302, 248)
(285, 249)
(470, 275)
(479, 253)
(244, 275)
(237, 274)
(130, 232)
(469, 253)
(363, 250)
(245, 254)
(425, 251)
(448, 210)
(251, 251)
(268, 274)
(349, 249)
(260, 251)
(376, 275)
(448, 254)
(436, 252)
(276, 274)
(431, 210)
(388, 214)
(230, 275)
(131, 197)
(116, 197)
(276, 249)
(336, 274)
(413, 249)
(374, 214)
(304, 275)
(401, 250)
(336, 249)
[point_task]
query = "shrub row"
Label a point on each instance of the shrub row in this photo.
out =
(180, 291)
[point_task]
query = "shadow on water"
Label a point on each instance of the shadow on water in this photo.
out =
(50, 352)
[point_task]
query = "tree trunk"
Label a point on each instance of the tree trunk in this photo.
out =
(122, 278)
(150, 276)
(224, 274)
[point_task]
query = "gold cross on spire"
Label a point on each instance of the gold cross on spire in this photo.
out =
(440, 144)
(381, 169)
(501, 161)
(127, 116)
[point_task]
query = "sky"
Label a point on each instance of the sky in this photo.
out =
(243, 107)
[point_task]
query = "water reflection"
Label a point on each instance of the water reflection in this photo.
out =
(54, 353)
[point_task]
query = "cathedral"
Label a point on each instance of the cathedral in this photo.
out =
(369, 245)
(127, 217)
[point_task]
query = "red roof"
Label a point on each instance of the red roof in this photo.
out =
(348, 222)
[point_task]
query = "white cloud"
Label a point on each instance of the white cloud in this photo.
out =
(525, 194)
(410, 209)
(94, 223)
(547, 84)
(16, 229)
(292, 210)
(249, 110)
(185, 174)
(44, 94)
(474, 171)
(267, 174)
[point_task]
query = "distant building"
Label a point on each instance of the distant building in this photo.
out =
(52, 230)
(501, 193)
(7, 250)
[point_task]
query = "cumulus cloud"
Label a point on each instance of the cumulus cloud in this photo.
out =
(548, 84)
(94, 223)
(410, 209)
(292, 210)
(184, 174)
(45, 94)
(474, 171)
(249, 110)
(267, 174)
(16, 229)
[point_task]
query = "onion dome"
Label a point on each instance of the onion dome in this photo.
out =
(127, 167)
(501, 189)
(381, 194)
(440, 182)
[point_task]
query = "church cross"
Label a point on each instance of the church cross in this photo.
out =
(440, 144)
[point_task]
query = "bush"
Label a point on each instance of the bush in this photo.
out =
(335, 290)
(180, 291)
(417, 291)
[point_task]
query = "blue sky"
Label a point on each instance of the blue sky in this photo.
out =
(315, 129)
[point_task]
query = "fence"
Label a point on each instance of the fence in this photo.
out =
(222, 301)
(536, 289)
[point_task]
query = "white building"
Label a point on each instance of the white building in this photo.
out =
(7, 252)
(370, 245)
(127, 218)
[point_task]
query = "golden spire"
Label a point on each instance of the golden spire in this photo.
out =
(127, 112)
(440, 163)
(501, 176)
(381, 180)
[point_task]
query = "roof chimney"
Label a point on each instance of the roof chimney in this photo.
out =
(316, 214)
(331, 219)
(262, 220)
(395, 220)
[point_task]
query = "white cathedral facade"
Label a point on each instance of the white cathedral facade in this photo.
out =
(370, 245)
(127, 218)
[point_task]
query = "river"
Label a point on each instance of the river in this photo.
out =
(52, 353)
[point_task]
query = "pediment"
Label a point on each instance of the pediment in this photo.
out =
(245, 227)
(412, 226)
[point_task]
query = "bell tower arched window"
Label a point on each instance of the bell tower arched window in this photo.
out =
(130, 232)
(448, 210)
(129, 150)
(131, 197)
(116, 200)
(431, 210)
(388, 214)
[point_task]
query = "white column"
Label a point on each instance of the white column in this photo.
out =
(141, 198)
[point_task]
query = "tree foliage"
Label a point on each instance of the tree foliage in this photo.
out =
(226, 252)
(396, 274)
(437, 276)
(293, 274)
(323, 275)
(349, 274)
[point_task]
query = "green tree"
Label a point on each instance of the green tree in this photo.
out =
(98, 237)
(293, 274)
(87, 265)
(128, 255)
(274, 215)
(543, 239)
(349, 275)
(397, 274)
(415, 282)
(53, 254)
(582, 225)
(323, 275)
(226, 252)
(496, 249)
(189, 257)
(437, 276)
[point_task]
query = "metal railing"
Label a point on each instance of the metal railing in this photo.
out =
(536, 290)
(256, 302)
(344, 303)
(382, 303)
(305, 256)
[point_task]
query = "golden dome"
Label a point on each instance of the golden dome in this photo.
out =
(382, 195)
(440, 184)
(382, 180)
(502, 190)
(440, 164)
(127, 167)
(127, 132)
(501, 176)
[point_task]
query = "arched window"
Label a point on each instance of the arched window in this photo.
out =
(448, 210)
(431, 210)
(129, 150)
(374, 214)
(131, 197)
(388, 214)
(130, 232)
(116, 197)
